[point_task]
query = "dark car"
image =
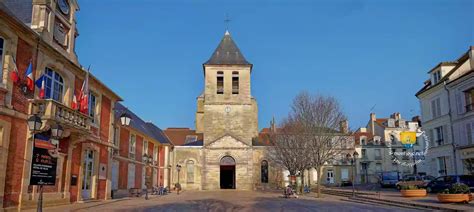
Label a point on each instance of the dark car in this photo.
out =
(444, 182)
(389, 179)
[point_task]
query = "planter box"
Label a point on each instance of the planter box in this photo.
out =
(413, 193)
(454, 198)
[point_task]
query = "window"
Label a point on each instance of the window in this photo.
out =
(436, 77)
(377, 140)
(364, 153)
(54, 85)
(363, 141)
(220, 82)
(116, 136)
(2, 47)
(155, 153)
(264, 171)
(436, 107)
(145, 147)
(235, 82)
(133, 142)
(469, 97)
(438, 135)
(393, 140)
(378, 155)
(190, 171)
(92, 107)
(442, 166)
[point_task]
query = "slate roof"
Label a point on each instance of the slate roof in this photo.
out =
(138, 124)
(22, 9)
(227, 53)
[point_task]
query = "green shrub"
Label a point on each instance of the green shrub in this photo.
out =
(457, 188)
(409, 187)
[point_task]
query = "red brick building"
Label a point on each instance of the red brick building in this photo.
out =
(43, 33)
(130, 167)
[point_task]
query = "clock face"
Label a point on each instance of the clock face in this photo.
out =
(63, 6)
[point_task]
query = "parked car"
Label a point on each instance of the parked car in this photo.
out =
(414, 180)
(389, 179)
(444, 182)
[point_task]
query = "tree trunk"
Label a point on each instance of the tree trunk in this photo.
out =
(302, 182)
(320, 180)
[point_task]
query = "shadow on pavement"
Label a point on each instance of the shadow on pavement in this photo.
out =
(193, 205)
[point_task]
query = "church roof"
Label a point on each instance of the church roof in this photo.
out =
(227, 53)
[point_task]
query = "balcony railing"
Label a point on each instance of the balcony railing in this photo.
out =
(49, 109)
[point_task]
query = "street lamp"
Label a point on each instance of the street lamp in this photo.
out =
(178, 186)
(57, 131)
(125, 119)
(353, 159)
(34, 124)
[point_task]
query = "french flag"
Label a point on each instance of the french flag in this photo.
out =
(40, 84)
(29, 77)
(84, 96)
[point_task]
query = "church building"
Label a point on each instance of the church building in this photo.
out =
(224, 151)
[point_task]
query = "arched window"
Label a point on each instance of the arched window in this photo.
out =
(220, 82)
(54, 85)
(235, 82)
(264, 171)
(190, 171)
(363, 140)
(2, 47)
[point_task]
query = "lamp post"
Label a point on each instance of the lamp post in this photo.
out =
(178, 186)
(125, 119)
(353, 159)
(34, 124)
(147, 160)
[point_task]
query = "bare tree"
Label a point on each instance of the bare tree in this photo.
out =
(311, 135)
(288, 149)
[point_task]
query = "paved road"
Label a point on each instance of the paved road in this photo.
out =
(226, 201)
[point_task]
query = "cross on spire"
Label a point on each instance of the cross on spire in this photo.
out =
(226, 21)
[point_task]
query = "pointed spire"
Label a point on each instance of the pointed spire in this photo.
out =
(227, 53)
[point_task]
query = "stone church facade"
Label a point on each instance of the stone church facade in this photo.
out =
(224, 151)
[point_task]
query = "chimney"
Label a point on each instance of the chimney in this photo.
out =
(372, 123)
(272, 124)
(344, 126)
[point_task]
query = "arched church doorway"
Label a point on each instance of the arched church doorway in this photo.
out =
(227, 173)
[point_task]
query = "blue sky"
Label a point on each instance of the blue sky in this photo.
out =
(364, 53)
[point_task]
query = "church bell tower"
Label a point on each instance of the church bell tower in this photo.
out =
(226, 106)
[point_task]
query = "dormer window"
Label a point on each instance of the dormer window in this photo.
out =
(469, 99)
(363, 140)
(220, 82)
(436, 76)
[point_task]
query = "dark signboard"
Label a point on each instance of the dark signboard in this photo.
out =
(43, 165)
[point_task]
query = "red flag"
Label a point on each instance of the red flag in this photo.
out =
(84, 100)
(14, 75)
(74, 102)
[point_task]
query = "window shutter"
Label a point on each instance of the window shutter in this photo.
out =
(459, 103)
(432, 139)
(433, 109)
(468, 133)
(445, 134)
(438, 107)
